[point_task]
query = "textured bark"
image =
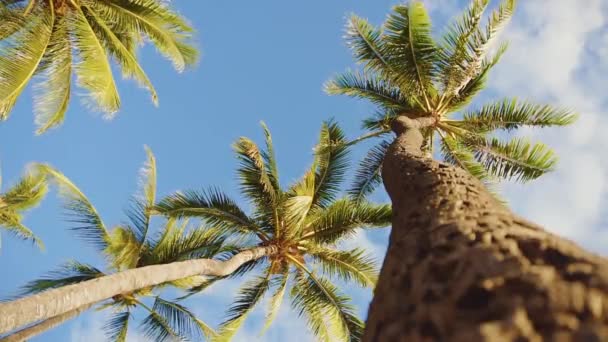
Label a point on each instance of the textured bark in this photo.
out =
(59, 301)
(38, 328)
(462, 267)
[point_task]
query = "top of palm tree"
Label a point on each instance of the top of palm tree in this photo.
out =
(410, 75)
(130, 245)
(305, 222)
(24, 195)
(51, 39)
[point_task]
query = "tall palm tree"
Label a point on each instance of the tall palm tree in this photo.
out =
(26, 194)
(127, 246)
(52, 39)
(460, 265)
(306, 223)
(293, 228)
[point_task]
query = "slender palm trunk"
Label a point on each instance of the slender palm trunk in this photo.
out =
(59, 301)
(37, 329)
(462, 267)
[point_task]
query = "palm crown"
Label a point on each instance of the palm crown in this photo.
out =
(25, 194)
(131, 245)
(407, 74)
(52, 39)
(305, 223)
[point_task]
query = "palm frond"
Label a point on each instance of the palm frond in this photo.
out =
(181, 320)
(270, 162)
(212, 206)
(510, 114)
(169, 33)
(88, 223)
(343, 218)
(12, 21)
(117, 327)
(10, 220)
(380, 121)
(142, 205)
(350, 265)
(277, 298)
(516, 159)
(53, 91)
(367, 45)
(27, 193)
(411, 46)
(93, 69)
(369, 86)
(179, 246)
(72, 272)
(128, 63)
(322, 297)
(368, 175)
(156, 327)
(454, 152)
(21, 56)
(123, 248)
(253, 176)
(298, 204)
(249, 295)
(331, 161)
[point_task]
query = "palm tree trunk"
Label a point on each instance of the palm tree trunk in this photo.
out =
(39, 328)
(462, 267)
(59, 301)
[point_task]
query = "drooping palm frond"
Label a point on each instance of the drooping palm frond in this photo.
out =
(343, 218)
(156, 327)
(21, 55)
(349, 265)
(253, 175)
(93, 71)
(249, 295)
(517, 158)
(511, 114)
(368, 175)
(52, 94)
(71, 272)
(182, 321)
(168, 31)
(25, 194)
(88, 223)
(10, 220)
(331, 161)
(368, 86)
(280, 284)
(454, 152)
(318, 296)
(12, 21)
(213, 206)
(117, 327)
(181, 245)
(123, 248)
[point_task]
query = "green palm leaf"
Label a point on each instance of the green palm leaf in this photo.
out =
(454, 152)
(93, 70)
(26, 194)
(71, 272)
(280, 282)
(367, 45)
(155, 326)
(117, 327)
(350, 265)
(368, 175)
(21, 57)
(331, 161)
(88, 223)
(53, 90)
(182, 321)
(368, 86)
(10, 220)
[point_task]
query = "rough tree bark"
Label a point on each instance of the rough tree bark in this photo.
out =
(48, 304)
(462, 267)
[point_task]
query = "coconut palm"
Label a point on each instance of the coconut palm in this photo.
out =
(289, 231)
(26, 194)
(127, 246)
(53, 39)
(411, 77)
(461, 266)
(306, 223)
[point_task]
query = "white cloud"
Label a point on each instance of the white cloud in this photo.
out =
(555, 57)
(89, 328)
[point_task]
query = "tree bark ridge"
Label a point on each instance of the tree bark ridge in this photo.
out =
(462, 267)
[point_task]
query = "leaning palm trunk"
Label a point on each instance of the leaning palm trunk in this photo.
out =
(462, 267)
(62, 300)
(39, 328)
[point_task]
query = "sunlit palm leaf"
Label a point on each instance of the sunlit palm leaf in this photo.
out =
(10, 220)
(156, 327)
(456, 153)
(182, 321)
(368, 175)
(331, 160)
(350, 265)
(21, 56)
(26, 194)
(368, 86)
(280, 282)
(70, 273)
(89, 225)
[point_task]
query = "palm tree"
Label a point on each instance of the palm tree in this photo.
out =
(306, 223)
(127, 246)
(460, 265)
(293, 228)
(52, 39)
(26, 194)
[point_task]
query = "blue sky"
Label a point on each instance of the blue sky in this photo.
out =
(267, 61)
